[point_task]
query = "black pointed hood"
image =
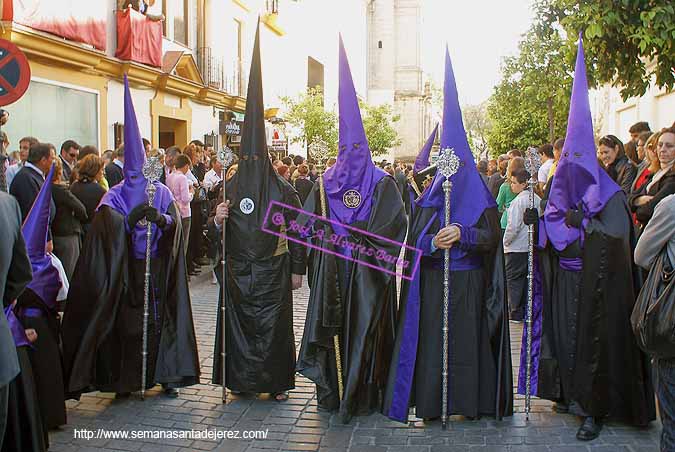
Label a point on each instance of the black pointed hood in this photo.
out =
(256, 182)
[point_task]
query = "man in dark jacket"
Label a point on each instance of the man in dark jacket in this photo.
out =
(70, 151)
(113, 170)
(28, 181)
(15, 274)
(497, 179)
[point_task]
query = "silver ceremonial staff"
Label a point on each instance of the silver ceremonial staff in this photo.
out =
(226, 158)
(152, 171)
(532, 164)
(447, 164)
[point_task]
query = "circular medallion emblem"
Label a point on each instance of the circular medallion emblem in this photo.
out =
(247, 205)
(351, 199)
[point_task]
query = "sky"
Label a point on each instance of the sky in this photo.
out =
(478, 33)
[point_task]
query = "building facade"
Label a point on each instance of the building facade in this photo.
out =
(189, 82)
(613, 115)
(394, 71)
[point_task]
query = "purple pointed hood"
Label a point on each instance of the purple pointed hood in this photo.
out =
(422, 160)
(131, 191)
(579, 181)
(46, 282)
(469, 197)
(351, 181)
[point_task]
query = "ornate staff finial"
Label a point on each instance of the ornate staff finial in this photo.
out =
(448, 162)
(318, 149)
(532, 161)
(152, 169)
(225, 156)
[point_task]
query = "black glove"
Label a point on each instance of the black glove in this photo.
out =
(154, 216)
(136, 215)
(531, 216)
(574, 218)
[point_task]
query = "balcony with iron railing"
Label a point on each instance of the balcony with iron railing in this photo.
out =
(217, 74)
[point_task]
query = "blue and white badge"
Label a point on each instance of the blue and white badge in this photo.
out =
(247, 206)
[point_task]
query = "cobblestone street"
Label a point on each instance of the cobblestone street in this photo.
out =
(296, 425)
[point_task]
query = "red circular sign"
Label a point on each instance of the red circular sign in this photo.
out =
(14, 73)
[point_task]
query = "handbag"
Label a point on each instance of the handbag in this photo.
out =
(653, 317)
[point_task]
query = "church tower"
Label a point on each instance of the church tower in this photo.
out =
(395, 71)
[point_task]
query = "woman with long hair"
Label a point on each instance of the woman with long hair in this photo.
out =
(87, 188)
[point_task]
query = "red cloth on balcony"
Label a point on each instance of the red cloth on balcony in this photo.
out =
(138, 38)
(71, 19)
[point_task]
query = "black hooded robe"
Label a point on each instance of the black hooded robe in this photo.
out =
(45, 357)
(102, 327)
(480, 375)
(358, 303)
(25, 431)
(589, 356)
(260, 339)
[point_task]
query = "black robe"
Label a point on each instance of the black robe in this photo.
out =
(358, 303)
(45, 357)
(103, 319)
(589, 357)
(25, 431)
(260, 344)
(480, 378)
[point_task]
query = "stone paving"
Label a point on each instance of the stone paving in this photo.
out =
(297, 425)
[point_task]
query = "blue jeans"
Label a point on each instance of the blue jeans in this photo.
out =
(665, 390)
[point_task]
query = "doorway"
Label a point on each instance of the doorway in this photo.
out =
(172, 132)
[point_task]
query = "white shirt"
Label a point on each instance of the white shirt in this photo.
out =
(211, 179)
(12, 171)
(515, 235)
(39, 171)
(542, 175)
(191, 177)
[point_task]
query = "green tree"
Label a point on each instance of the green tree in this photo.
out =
(530, 104)
(309, 121)
(628, 43)
(378, 121)
(477, 125)
(306, 114)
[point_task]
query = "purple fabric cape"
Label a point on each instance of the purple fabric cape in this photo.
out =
(405, 369)
(579, 181)
(537, 307)
(46, 281)
(354, 168)
(131, 191)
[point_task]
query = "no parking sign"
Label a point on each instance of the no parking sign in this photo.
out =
(14, 73)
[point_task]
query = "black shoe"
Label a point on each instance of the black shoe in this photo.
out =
(171, 392)
(516, 317)
(122, 395)
(589, 430)
(561, 408)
